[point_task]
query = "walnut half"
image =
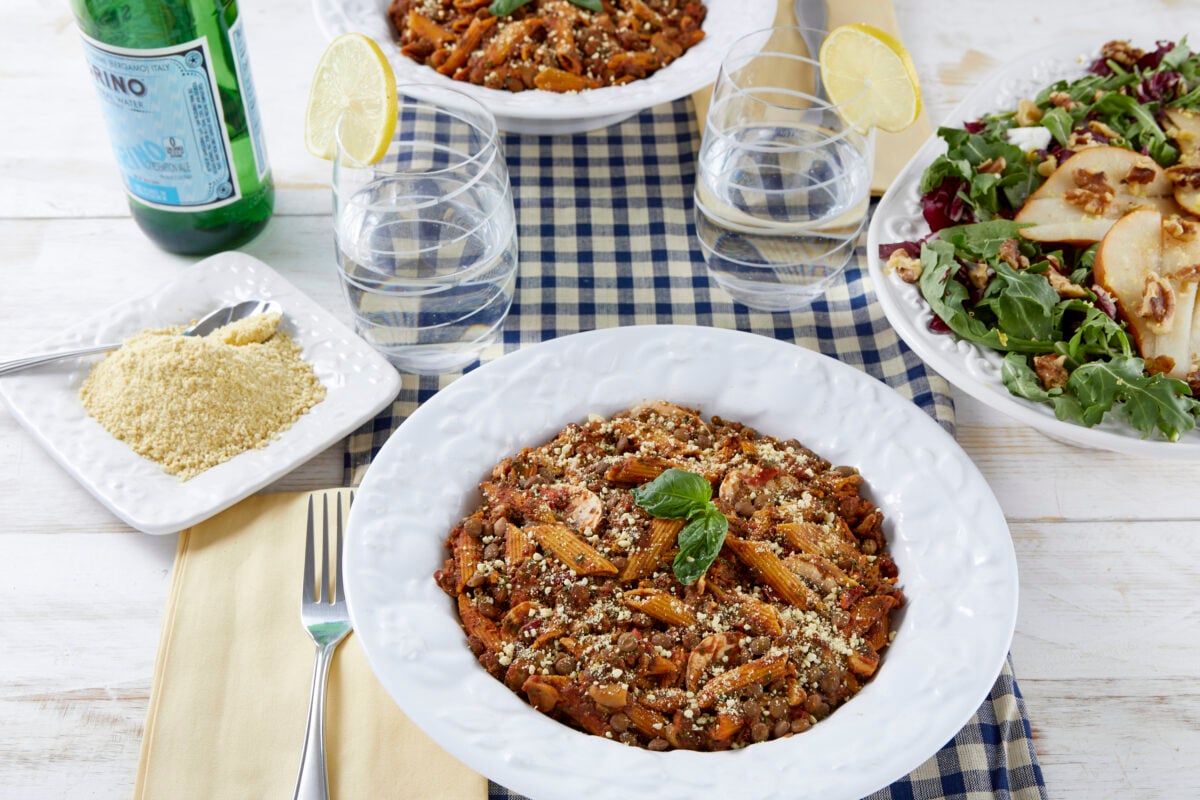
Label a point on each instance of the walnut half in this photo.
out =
(1158, 304)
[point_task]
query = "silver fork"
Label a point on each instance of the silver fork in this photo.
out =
(323, 612)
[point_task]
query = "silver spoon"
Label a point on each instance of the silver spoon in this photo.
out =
(212, 321)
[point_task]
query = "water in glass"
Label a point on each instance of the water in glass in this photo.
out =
(426, 239)
(783, 179)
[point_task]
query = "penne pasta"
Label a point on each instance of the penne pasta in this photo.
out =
(636, 469)
(467, 555)
(648, 723)
(759, 557)
(661, 606)
(518, 545)
(752, 673)
(644, 559)
(480, 626)
(572, 551)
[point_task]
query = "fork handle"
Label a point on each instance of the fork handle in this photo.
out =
(312, 782)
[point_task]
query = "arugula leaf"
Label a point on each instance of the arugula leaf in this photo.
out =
(1059, 123)
(675, 494)
(1020, 379)
(1158, 402)
(699, 543)
(944, 167)
(983, 239)
(1147, 402)
(1097, 335)
(947, 298)
(1024, 303)
(1017, 184)
(1178, 55)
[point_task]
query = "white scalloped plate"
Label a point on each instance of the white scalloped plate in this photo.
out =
(553, 112)
(975, 369)
(945, 528)
(358, 383)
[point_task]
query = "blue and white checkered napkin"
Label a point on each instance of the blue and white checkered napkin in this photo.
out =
(606, 239)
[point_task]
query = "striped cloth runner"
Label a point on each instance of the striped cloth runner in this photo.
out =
(606, 238)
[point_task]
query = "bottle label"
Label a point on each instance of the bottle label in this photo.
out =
(165, 124)
(241, 60)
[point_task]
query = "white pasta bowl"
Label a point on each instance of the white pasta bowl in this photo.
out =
(536, 111)
(945, 530)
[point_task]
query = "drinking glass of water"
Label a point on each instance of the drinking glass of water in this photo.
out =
(783, 183)
(426, 237)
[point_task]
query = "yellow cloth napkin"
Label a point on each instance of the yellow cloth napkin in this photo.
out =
(234, 668)
(892, 150)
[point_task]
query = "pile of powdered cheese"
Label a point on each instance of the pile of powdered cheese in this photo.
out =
(192, 402)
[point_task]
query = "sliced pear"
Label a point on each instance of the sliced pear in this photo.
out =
(1128, 252)
(1059, 221)
(1090, 191)
(1181, 265)
(1185, 130)
(1151, 266)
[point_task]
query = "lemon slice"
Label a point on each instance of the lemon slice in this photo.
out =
(870, 74)
(354, 84)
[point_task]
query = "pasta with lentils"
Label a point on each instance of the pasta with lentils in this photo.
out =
(565, 589)
(551, 45)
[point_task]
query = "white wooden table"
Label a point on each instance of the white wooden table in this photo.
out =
(1107, 647)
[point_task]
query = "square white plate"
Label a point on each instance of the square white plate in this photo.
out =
(358, 382)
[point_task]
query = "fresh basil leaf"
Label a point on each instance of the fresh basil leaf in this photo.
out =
(502, 8)
(675, 494)
(590, 5)
(699, 543)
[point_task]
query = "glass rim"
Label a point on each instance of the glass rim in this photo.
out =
(736, 52)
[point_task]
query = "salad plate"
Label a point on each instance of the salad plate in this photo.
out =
(973, 368)
(946, 533)
(45, 400)
(536, 111)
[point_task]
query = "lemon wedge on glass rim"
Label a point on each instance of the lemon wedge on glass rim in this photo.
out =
(354, 86)
(869, 74)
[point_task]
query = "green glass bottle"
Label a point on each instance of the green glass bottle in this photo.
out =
(174, 81)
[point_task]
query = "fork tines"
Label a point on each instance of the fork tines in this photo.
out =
(322, 591)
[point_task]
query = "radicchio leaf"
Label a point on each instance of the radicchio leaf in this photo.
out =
(942, 207)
